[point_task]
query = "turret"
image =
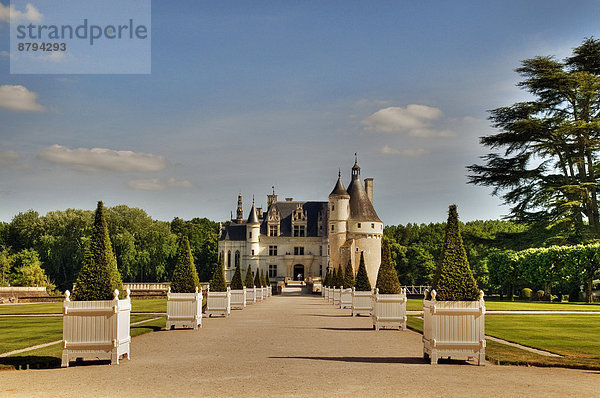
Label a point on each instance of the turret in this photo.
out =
(240, 210)
(339, 211)
(252, 237)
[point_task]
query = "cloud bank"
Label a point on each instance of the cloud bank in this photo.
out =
(31, 13)
(18, 98)
(414, 120)
(412, 153)
(8, 158)
(155, 184)
(99, 159)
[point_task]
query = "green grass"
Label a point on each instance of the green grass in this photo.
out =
(150, 305)
(417, 305)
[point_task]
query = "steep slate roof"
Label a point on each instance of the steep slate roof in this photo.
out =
(361, 208)
(234, 232)
(286, 209)
(252, 218)
(339, 188)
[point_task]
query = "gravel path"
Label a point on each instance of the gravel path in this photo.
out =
(291, 346)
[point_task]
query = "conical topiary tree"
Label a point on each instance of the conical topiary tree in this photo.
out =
(249, 282)
(327, 281)
(362, 283)
(185, 277)
(340, 277)
(217, 283)
(99, 276)
(387, 277)
(349, 275)
(334, 278)
(236, 281)
(263, 281)
(453, 280)
(257, 281)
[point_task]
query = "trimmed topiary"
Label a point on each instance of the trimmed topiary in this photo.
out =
(236, 281)
(526, 293)
(257, 281)
(99, 276)
(362, 283)
(453, 279)
(340, 277)
(249, 277)
(185, 277)
(263, 281)
(349, 275)
(334, 278)
(326, 280)
(387, 277)
(218, 284)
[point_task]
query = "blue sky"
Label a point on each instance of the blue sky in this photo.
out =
(246, 95)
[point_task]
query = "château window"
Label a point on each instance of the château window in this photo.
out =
(332, 207)
(253, 251)
(229, 259)
(250, 235)
(332, 227)
(273, 271)
(237, 258)
(273, 230)
(321, 269)
(372, 226)
(272, 250)
(320, 250)
(358, 225)
(299, 251)
(299, 230)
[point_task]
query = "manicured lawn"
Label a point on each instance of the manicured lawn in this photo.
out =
(417, 305)
(150, 305)
(23, 332)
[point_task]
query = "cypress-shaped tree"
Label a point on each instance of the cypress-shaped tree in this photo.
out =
(185, 277)
(257, 281)
(236, 281)
(349, 275)
(362, 278)
(387, 277)
(99, 276)
(340, 277)
(327, 282)
(249, 282)
(334, 278)
(263, 281)
(218, 284)
(453, 280)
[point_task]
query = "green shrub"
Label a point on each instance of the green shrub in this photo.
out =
(387, 277)
(99, 276)
(526, 293)
(540, 295)
(236, 280)
(257, 281)
(217, 283)
(454, 279)
(185, 277)
(349, 275)
(334, 278)
(249, 277)
(263, 281)
(340, 277)
(362, 279)
(564, 298)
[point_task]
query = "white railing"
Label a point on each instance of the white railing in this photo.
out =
(454, 329)
(416, 290)
(346, 298)
(389, 310)
(184, 309)
(362, 302)
(218, 303)
(6, 290)
(96, 329)
(147, 286)
(238, 299)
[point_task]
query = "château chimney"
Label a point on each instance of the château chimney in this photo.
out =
(369, 188)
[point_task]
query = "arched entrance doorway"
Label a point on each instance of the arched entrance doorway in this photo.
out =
(298, 272)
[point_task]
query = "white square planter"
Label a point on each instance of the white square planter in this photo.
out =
(362, 302)
(250, 295)
(346, 298)
(337, 293)
(218, 303)
(389, 310)
(259, 294)
(96, 329)
(326, 293)
(265, 293)
(184, 310)
(331, 293)
(238, 299)
(454, 329)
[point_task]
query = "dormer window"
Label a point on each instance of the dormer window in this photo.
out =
(273, 221)
(299, 221)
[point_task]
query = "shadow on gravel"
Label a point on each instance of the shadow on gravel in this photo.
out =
(405, 360)
(350, 329)
(329, 316)
(29, 362)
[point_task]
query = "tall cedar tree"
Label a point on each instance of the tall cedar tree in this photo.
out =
(334, 278)
(263, 281)
(218, 284)
(236, 281)
(453, 279)
(185, 277)
(99, 276)
(362, 279)
(545, 157)
(349, 276)
(257, 281)
(387, 277)
(249, 277)
(340, 277)
(326, 280)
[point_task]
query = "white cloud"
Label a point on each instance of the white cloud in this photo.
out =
(8, 158)
(4, 53)
(96, 159)
(18, 98)
(154, 184)
(414, 120)
(31, 13)
(413, 153)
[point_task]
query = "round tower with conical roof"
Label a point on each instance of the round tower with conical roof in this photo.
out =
(339, 211)
(252, 238)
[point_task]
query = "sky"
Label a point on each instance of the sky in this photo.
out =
(243, 96)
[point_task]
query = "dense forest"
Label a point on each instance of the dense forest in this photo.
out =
(48, 250)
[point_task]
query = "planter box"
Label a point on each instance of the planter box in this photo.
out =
(362, 302)
(218, 303)
(265, 293)
(346, 298)
(259, 294)
(330, 296)
(337, 293)
(184, 310)
(326, 293)
(96, 329)
(250, 295)
(389, 310)
(238, 299)
(454, 329)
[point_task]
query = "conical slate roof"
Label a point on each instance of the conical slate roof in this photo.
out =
(252, 218)
(361, 208)
(339, 188)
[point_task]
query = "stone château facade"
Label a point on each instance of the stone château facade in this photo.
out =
(299, 240)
